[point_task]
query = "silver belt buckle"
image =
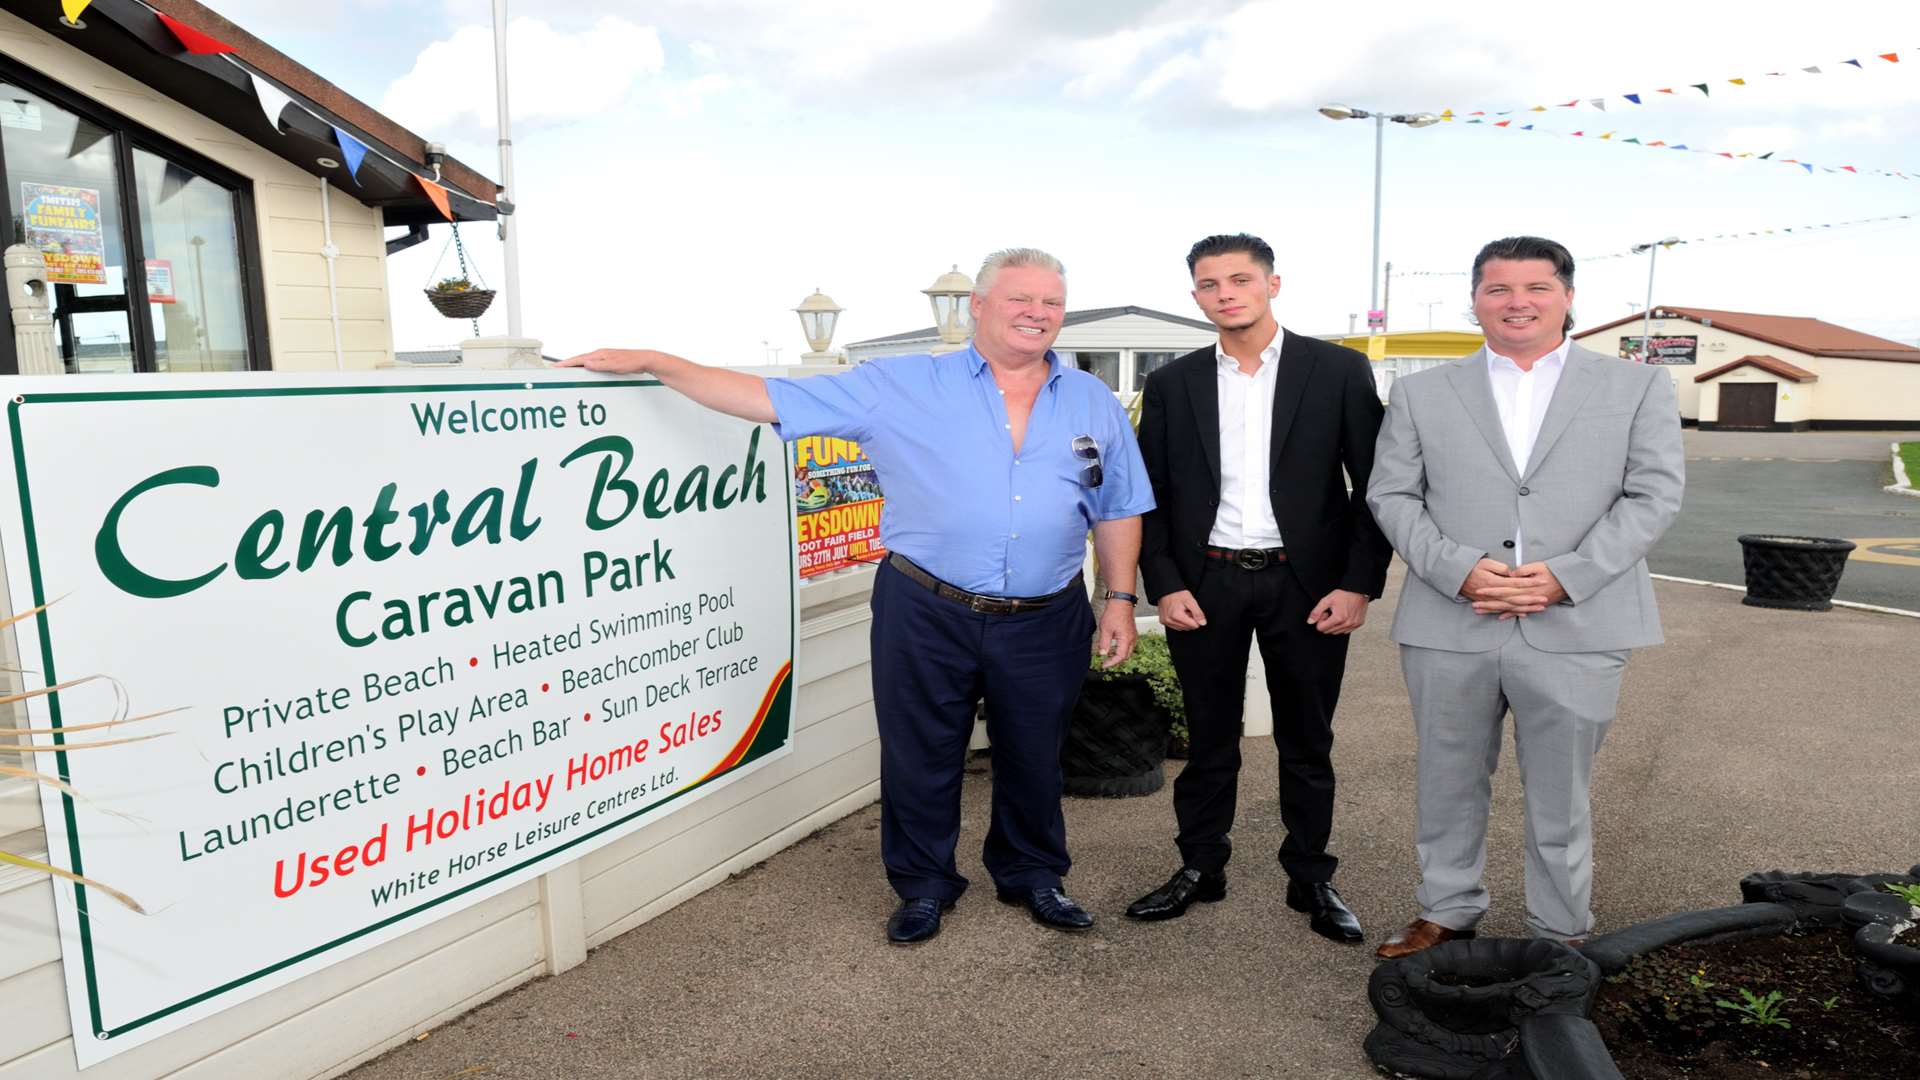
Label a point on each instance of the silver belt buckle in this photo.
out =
(1251, 559)
(981, 605)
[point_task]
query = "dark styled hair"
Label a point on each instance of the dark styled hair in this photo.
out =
(1523, 248)
(1223, 243)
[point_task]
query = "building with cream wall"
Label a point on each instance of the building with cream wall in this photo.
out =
(1819, 375)
(202, 112)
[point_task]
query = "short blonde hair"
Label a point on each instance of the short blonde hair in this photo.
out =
(1016, 257)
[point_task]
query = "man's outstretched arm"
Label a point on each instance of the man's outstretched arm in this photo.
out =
(735, 393)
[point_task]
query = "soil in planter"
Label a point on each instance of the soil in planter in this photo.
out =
(1660, 1020)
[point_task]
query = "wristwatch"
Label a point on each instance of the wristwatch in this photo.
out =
(1127, 596)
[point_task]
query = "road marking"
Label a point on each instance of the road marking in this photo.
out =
(1742, 588)
(1894, 550)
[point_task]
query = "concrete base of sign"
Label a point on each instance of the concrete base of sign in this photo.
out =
(501, 353)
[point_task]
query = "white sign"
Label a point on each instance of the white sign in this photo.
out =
(429, 638)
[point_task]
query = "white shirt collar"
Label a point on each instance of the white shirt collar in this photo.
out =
(1268, 356)
(1555, 359)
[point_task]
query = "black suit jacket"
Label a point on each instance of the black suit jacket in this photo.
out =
(1326, 413)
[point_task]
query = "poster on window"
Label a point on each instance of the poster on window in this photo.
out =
(64, 223)
(160, 282)
(447, 636)
(1683, 349)
(837, 505)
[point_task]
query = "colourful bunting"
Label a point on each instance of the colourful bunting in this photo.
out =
(1738, 82)
(1705, 88)
(1600, 103)
(193, 40)
(352, 151)
(439, 196)
(1890, 57)
(273, 101)
(1855, 63)
(1696, 240)
(1702, 87)
(1731, 155)
(1635, 98)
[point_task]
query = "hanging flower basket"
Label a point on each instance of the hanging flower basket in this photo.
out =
(466, 303)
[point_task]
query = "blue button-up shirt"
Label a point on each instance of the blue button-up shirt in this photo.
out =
(960, 501)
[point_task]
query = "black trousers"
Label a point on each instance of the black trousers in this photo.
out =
(1304, 668)
(933, 660)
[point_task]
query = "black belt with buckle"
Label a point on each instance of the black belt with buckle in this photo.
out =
(984, 605)
(1248, 558)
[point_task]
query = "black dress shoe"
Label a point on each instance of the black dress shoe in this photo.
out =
(916, 920)
(1331, 917)
(1170, 901)
(1049, 907)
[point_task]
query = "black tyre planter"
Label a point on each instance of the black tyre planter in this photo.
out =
(1117, 739)
(1799, 573)
(1512, 1009)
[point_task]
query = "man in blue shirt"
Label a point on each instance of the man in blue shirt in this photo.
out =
(996, 460)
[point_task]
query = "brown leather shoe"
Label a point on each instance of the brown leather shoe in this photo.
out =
(1419, 934)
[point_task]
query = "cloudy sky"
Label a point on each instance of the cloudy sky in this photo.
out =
(689, 170)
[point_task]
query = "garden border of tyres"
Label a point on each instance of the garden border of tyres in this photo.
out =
(1116, 742)
(1528, 1017)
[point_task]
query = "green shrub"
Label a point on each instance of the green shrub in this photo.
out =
(1151, 658)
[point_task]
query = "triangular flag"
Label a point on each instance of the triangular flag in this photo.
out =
(1504, 112)
(1476, 121)
(1608, 135)
(1666, 89)
(1850, 168)
(1889, 57)
(1478, 112)
(1724, 154)
(1855, 63)
(1503, 123)
(1579, 133)
(1527, 127)
(1738, 82)
(1657, 142)
(1446, 114)
(439, 196)
(73, 8)
(1811, 70)
(1766, 155)
(1678, 146)
(1600, 103)
(1538, 108)
(84, 136)
(193, 40)
(352, 150)
(272, 99)
(1635, 98)
(1630, 140)
(1702, 87)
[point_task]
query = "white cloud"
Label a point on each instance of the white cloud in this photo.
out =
(553, 76)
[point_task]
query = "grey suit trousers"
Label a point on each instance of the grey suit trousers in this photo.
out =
(1562, 705)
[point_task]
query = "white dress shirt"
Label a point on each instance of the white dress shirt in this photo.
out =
(1522, 398)
(1245, 517)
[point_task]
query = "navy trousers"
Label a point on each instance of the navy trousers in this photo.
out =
(933, 661)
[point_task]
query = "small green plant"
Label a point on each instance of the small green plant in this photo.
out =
(1909, 893)
(1829, 1004)
(1151, 658)
(453, 285)
(1699, 980)
(1762, 1011)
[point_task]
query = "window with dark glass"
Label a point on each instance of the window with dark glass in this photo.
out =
(1146, 363)
(147, 264)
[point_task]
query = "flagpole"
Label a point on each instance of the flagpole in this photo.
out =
(509, 233)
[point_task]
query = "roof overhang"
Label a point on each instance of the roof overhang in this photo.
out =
(129, 37)
(1772, 365)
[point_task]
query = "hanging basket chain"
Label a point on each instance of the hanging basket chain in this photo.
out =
(466, 303)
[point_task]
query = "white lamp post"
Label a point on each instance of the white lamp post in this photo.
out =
(818, 314)
(1337, 111)
(952, 314)
(1646, 321)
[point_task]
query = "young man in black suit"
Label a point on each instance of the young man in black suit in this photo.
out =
(1259, 449)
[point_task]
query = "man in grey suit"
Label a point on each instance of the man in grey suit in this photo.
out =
(1523, 485)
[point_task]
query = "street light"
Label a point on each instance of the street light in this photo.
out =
(1337, 111)
(1646, 322)
(818, 314)
(952, 315)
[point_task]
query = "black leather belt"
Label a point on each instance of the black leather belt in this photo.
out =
(1248, 558)
(984, 605)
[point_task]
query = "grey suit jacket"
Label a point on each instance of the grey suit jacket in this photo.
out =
(1604, 482)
